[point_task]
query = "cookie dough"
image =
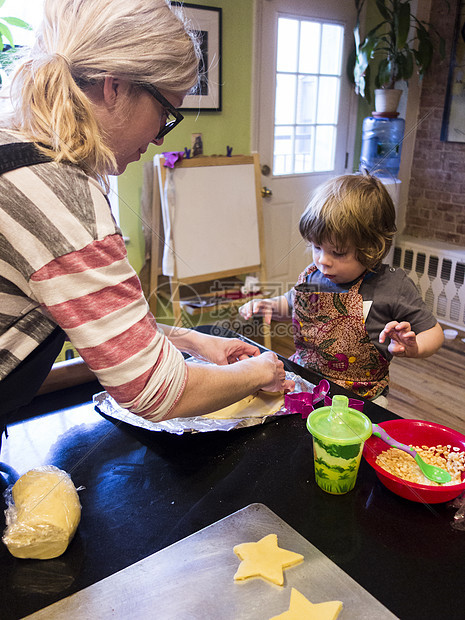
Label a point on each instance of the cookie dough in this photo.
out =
(301, 608)
(255, 406)
(265, 559)
(44, 516)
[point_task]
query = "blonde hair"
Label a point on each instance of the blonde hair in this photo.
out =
(79, 43)
(352, 210)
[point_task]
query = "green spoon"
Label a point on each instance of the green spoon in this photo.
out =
(436, 474)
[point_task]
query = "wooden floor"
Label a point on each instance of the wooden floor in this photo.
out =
(428, 389)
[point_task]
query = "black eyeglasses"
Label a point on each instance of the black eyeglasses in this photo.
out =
(173, 116)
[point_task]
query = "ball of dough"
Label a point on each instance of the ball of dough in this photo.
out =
(45, 514)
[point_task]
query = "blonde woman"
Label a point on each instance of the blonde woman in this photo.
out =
(103, 81)
(351, 313)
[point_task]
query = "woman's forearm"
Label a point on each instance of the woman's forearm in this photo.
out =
(184, 339)
(210, 387)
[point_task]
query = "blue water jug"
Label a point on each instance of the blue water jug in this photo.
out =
(382, 145)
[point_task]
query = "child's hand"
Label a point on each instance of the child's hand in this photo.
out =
(260, 307)
(403, 339)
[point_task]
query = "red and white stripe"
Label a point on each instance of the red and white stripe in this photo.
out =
(95, 296)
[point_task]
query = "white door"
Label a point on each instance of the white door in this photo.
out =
(303, 135)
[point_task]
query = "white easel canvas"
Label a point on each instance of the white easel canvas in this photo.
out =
(211, 219)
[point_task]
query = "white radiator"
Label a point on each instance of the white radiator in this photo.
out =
(438, 271)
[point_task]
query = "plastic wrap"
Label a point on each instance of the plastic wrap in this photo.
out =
(105, 404)
(42, 515)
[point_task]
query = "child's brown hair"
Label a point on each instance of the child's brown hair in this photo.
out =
(352, 210)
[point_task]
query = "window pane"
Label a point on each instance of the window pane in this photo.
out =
(304, 147)
(331, 49)
(288, 40)
(309, 47)
(283, 160)
(328, 100)
(324, 147)
(306, 99)
(285, 99)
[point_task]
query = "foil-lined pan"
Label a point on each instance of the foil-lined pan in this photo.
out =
(106, 405)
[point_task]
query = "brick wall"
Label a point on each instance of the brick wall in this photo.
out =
(436, 201)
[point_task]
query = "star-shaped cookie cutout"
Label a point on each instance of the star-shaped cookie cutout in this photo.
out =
(301, 608)
(264, 559)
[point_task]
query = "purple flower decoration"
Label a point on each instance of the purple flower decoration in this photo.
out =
(172, 157)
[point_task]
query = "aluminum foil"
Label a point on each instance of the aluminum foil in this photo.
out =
(106, 405)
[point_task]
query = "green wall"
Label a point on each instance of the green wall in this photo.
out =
(230, 127)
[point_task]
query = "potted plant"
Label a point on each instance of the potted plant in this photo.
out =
(392, 49)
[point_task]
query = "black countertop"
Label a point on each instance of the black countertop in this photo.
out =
(146, 490)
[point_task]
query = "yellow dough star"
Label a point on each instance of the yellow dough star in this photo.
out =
(301, 608)
(264, 559)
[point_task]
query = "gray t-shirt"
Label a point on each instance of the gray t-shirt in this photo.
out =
(394, 297)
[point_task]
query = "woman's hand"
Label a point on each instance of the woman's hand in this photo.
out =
(274, 367)
(208, 348)
(223, 351)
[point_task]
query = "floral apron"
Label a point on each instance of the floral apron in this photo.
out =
(330, 337)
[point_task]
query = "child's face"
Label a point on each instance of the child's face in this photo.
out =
(336, 264)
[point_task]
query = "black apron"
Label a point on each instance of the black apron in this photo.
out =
(20, 386)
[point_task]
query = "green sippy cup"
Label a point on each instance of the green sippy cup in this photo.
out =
(339, 434)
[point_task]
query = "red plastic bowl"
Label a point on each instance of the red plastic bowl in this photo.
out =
(417, 433)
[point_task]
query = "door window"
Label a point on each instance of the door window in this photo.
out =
(308, 82)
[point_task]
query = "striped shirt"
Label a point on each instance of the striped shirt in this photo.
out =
(63, 262)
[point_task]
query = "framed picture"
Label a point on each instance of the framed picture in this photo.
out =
(453, 122)
(206, 20)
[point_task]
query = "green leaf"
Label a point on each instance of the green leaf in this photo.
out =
(350, 66)
(323, 318)
(326, 344)
(382, 8)
(367, 95)
(357, 37)
(409, 64)
(384, 73)
(364, 53)
(403, 24)
(2, 2)
(405, 66)
(15, 21)
(6, 32)
(340, 307)
(424, 54)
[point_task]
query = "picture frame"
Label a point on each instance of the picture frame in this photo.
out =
(453, 121)
(206, 20)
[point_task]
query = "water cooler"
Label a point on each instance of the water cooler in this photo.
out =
(382, 137)
(381, 150)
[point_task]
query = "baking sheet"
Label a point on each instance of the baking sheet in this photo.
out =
(193, 580)
(105, 404)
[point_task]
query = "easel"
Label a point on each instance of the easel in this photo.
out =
(214, 207)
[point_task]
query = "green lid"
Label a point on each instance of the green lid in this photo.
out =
(339, 423)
